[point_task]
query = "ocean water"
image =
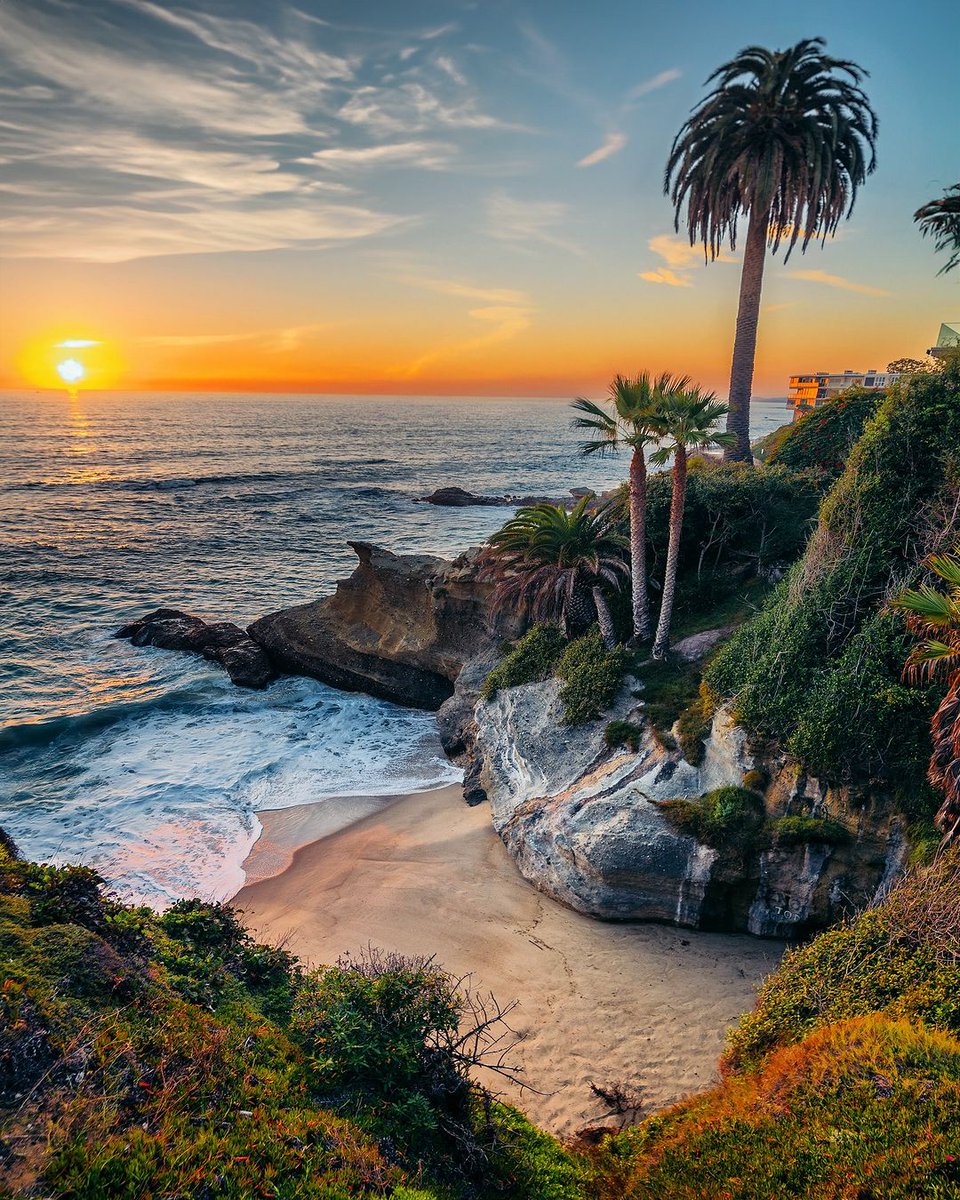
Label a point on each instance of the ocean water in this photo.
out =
(150, 765)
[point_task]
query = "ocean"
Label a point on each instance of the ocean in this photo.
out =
(150, 765)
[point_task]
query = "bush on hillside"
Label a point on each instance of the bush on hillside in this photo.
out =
(823, 439)
(866, 1108)
(901, 958)
(160, 1060)
(530, 660)
(592, 677)
(623, 733)
(728, 818)
(819, 669)
(734, 518)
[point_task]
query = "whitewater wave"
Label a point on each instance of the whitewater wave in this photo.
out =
(162, 797)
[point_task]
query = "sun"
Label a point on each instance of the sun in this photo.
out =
(53, 360)
(70, 371)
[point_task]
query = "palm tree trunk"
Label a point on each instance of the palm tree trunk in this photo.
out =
(678, 496)
(638, 547)
(604, 619)
(944, 771)
(745, 343)
(579, 611)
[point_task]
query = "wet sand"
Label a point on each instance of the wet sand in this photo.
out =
(602, 1002)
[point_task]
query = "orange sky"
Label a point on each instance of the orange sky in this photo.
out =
(399, 209)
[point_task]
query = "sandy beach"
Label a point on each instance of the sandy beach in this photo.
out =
(599, 1002)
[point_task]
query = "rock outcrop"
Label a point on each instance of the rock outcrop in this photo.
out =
(223, 642)
(401, 627)
(584, 824)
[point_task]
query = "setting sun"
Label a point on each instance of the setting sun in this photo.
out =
(70, 371)
(52, 360)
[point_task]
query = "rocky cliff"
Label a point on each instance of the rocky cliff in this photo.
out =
(585, 825)
(401, 627)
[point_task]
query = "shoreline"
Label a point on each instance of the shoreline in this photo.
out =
(424, 874)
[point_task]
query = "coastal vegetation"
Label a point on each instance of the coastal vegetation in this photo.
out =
(635, 423)
(825, 655)
(843, 1081)
(172, 1055)
(935, 616)
(555, 564)
(146, 1055)
(688, 417)
(786, 139)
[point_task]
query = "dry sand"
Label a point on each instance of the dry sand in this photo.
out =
(645, 1005)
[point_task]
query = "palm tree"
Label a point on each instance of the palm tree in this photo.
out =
(941, 219)
(935, 616)
(785, 138)
(633, 423)
(688, 419)
(555, 564)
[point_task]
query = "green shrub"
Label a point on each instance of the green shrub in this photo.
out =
(728, 818)
(823, 439)
(592, 677)
(532, 658)
(624, 733)
(136, 1089)
(693, 725)
(799, 831)
(824, 658)
(901, 958)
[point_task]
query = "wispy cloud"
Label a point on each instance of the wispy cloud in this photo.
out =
(507, 322)
(429, 156)
(653, 83)
(412, 107)
(837, 281)
(681, 260)
(272, 341)
(120, 233)
(469, 291)
(665, 275)
(530, 222)
(613, 143)
(137, 128)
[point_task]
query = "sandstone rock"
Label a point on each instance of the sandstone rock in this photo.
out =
(221, 642)
(401, 627)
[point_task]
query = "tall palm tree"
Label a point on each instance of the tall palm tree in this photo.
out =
(785, 138)
(935, 616)
(688, 419)
(633, 423)
(555, 564)
(941, 219)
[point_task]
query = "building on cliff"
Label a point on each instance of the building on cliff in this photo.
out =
(948, 340)
(817, 387)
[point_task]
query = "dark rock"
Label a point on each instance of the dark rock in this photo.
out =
(401, 627)
(457, 497)
(247, 664)
(221, 641)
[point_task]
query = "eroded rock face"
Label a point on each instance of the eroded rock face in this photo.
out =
(584, 824)
(220, 641)
(401, 627)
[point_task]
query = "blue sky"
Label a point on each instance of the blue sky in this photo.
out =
(421, 195)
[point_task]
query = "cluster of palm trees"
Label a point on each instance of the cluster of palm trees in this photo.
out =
(559, 565)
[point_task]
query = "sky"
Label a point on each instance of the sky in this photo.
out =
(442, 196)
